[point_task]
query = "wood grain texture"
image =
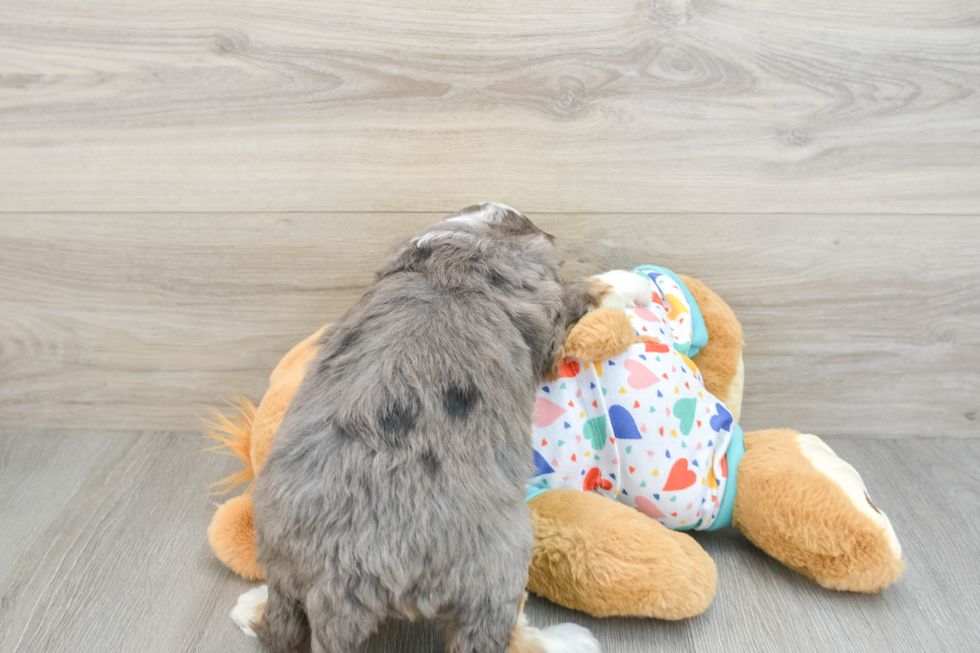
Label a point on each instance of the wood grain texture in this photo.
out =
(855, 326)
(103, 549)
(562, 105)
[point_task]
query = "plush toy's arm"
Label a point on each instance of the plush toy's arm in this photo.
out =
(720, 361)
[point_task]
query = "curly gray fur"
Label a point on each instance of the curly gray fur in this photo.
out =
(395, 484)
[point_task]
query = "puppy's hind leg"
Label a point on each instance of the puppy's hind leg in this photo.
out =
(339, 622)
(563, 638)
(482, 625)
(283, 628)
(489, 630)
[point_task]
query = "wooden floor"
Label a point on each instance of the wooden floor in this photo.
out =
(103, 548)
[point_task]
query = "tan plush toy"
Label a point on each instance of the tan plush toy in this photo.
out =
(599, 551)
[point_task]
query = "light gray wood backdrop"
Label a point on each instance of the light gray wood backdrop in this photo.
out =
(189, 187)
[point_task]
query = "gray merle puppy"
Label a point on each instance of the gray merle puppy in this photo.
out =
(396, 482)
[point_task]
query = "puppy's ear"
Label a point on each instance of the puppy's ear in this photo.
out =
(580, 297)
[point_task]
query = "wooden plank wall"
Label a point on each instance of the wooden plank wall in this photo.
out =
(189, 187)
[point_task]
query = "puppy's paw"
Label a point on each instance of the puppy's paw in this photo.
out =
(250, 608)
(628, 289)
(567, 638)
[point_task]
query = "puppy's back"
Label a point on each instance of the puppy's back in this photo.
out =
(407, 442)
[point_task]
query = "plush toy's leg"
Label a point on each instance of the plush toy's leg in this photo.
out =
(232, 537)
(806, 507)
(720, 361)
(604, 558)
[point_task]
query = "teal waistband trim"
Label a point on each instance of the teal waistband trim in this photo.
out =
(699, 332)
(736, 449)
(533, 491)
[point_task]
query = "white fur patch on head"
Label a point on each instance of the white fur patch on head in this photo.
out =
(437, 236)
(485, 213)
(825, 461)
(250, 608)
(629, 289)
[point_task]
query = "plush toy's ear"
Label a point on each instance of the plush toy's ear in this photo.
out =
(283, 384)
(599, 335)
(249, 436)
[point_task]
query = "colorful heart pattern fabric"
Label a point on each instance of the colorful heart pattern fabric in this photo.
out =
(639, 428)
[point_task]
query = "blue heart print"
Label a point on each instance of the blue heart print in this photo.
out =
(541, 465)
(723, 420)
(622, 424)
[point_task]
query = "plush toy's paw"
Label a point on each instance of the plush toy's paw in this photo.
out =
(250, 608)
(823, 458)
(600, 335)
(599, 556)
(628, 289)
(809, 509)
(232, 537)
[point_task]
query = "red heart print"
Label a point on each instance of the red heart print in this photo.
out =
(544, 443)
(593, 479)
(573, 458)
(595, 404)
(572, 404)
(680, 477)
(632, 469)
(568, 369)
(636, 404)
(699, 423)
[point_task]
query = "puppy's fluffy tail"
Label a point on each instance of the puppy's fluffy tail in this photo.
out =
(234, 436)
(563, 638)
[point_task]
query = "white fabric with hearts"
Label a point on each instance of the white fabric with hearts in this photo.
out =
(640, 427)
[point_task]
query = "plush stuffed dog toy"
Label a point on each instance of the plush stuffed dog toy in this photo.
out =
(635, 441)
